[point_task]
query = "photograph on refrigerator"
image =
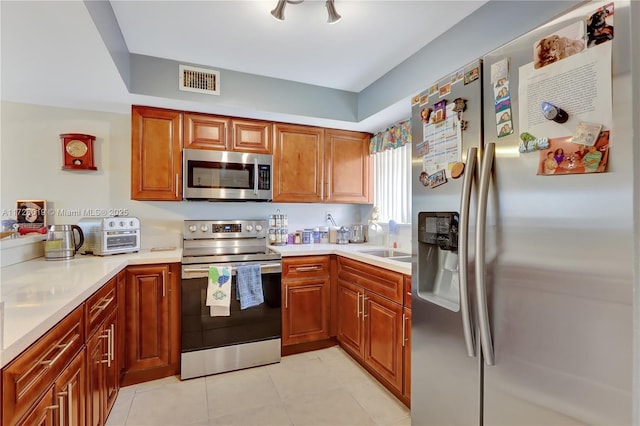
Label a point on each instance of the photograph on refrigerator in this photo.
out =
(564, 157)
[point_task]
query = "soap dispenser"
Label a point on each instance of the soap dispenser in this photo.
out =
(375, 233)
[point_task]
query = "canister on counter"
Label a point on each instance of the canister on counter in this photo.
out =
(316, 235)
(324, 234)
(297, 237)
(307, 236)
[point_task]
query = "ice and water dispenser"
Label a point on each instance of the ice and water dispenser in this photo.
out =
(439, 280)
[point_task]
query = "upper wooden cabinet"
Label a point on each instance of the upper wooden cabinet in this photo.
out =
(298, 164)
(252, 136)
(313, 164)
(202, 131)
(348, 167)
(156, 154)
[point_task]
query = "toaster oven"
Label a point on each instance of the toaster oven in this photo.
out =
(110, 235)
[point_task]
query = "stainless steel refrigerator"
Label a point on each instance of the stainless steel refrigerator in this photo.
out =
(522, 298)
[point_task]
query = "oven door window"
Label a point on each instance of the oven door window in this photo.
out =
(219, 175)
(202, 331)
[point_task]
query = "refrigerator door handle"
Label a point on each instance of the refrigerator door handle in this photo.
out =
(481, 225)
(463, 249)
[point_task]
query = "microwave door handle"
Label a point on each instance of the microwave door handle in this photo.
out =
(255, 176)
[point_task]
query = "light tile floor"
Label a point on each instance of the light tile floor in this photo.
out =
(324, 387)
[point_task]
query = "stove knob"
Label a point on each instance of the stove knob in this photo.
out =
(204, 228)
(258, 228)
(250, 228)
(131, 223)
(122, 223)
(111, 223)
(193, 228)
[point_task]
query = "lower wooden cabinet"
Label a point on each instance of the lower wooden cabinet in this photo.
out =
(30, 378)
(406, 343)
(103, 371)
(370, 326)
(305, 299)
(42, 414)
(70, 392)
(152, 322)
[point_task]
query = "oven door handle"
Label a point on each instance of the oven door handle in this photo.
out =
(265, 268)
(255, 176)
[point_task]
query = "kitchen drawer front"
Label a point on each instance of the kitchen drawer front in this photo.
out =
(99, 305)
(305, 267)
(407, 291)
(33, 371)
(386, 283)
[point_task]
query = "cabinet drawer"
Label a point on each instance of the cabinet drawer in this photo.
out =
(99, 305)
(31, 373)
(386, 283)
(407, 291)
(305, 267)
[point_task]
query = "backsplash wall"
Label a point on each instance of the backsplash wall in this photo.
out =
(30, 168)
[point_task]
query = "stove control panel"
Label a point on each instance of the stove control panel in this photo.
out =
(195, 229)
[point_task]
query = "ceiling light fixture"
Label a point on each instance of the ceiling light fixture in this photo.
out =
(278, 11)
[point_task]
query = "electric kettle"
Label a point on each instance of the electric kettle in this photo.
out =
(61, 242)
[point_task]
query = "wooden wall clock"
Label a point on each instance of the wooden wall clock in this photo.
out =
(77, 151)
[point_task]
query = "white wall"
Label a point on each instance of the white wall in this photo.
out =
(30, 168)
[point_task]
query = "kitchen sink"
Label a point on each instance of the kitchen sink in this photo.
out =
(401, 258)
(386, 253)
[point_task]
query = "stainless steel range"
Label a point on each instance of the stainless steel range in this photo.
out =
(247, 337)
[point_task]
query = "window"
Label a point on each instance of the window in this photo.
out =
(392, 184)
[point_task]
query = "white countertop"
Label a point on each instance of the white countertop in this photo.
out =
(351, 251)
(35, 295)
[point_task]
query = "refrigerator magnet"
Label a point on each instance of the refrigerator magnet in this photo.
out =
(425, 114)
(471, 75)
(424, 178)
(438, 178)
(439, 111)
(457, 170)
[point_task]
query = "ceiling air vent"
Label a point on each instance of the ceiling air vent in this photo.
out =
(199, 80)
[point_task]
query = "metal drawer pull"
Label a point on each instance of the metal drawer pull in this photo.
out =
(70, 404)
(52, 407)
(52, 361)
(104, 304)
(61, 404)
(286, 296)
(404, 320)
(307, 268)
(358, 306)
(113, 339)
(364, 315)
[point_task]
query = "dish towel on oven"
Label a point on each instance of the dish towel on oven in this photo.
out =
(249, 281)
(219, 291)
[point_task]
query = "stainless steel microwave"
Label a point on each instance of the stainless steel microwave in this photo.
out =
(229, 176)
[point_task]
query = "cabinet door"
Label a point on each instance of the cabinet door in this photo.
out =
(119, 339)
(96, 396)
(350, 318)
(252, 136)
(203, 131)
(152, 323)
(156, 154)
(407, 354)
(298, 164)
(306, 311)
(348, 167)
(383, 337)
(112, 373)
(43, 413)
(70, 393)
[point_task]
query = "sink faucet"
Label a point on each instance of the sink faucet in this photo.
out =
(329, 217)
